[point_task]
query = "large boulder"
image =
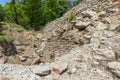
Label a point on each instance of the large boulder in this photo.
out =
(91, 14)
(82, 25)
(41, 70)
(114, 67)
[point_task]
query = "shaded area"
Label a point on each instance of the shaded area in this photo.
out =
(8, 48)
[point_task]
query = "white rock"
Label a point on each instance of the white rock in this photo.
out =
(113, 26)
(107, 20)
(89, 13)
(101, 26)
(104, 55)
(102, 14)
(114, 67)
(82, 25)
(41, 70)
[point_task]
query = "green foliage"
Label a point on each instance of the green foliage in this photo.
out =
(72, 16)
(0, 27)
(5, 38)
(52, 56)
(1, 13)
(2, 33)
(77, 2)
(17, 27)
(65, 4)
(48, 15)
(98, 10)
(34, 14)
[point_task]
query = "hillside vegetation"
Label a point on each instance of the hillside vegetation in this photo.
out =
(34, 14)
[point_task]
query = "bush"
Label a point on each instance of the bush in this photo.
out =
(52, 56)
(72, 16)
(4, 38)
(98, 10)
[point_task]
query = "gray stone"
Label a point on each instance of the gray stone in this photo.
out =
(82, 25)
(114, 67)
(41, 70)
(114, 26)
(102, 14)
(101, 26)
(107, 20)
(89, 13)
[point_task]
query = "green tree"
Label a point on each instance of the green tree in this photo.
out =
(48, 15)
(55, 6)
(34, 13)
(1, 13)
(13, 2)
(66, 4)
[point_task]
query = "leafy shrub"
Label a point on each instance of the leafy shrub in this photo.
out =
(4, 38)
(98, 10)
(52, 56)
(72, 16)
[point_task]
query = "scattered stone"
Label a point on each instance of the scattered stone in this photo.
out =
(89, 13)
(42, 70)
(114, 67)
(101, 26)
(82, 25)
(3, 59)
(113, 10)
(114, 26)
(4, 78)
(102, 14)
(59, 67)
(36, 60)
(23, 58)
(73, 70)
(107, 20)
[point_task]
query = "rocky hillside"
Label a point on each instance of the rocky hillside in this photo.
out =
(81, 45)
(22, 44)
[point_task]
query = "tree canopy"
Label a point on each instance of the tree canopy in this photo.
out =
(33, 14)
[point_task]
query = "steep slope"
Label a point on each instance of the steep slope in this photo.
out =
(22, 43)
(85, 47)
(62, 34)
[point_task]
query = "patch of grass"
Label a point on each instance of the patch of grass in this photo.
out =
(5, 26)
(18, 27)
(98, 10)
(52, 56)
(2, 33)
(72, 16)
(5, 38)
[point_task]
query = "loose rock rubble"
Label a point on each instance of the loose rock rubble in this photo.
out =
(86, 48)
